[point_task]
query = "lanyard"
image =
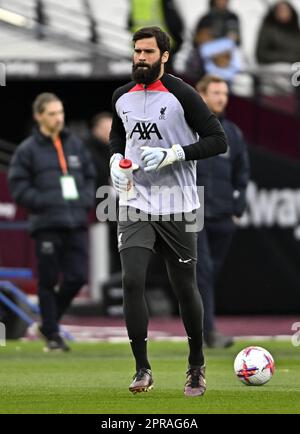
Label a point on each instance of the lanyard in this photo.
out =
(61, 155)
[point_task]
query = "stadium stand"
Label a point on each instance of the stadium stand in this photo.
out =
(76, 24)
(96, 31)
(249, 12)
(74, 17)
(70, 30)
(25, 8)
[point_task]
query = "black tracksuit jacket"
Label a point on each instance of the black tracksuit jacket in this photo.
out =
(34, 180)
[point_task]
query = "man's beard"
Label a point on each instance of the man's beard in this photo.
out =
(55, 129)
(58, 127)
(146, 75)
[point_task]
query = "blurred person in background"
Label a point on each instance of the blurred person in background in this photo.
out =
(51, 174)
(215, 39)
(219, 22)
(278, 47)
(225, 178)
(279, 35)
(98, 145)
(161, 13)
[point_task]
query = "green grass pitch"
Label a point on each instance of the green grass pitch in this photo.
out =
(94, 378)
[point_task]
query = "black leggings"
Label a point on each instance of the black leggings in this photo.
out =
(182, 277)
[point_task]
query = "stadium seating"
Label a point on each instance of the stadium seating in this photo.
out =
(26, 8)
(69, 17)
(68, 32)
(75, 17)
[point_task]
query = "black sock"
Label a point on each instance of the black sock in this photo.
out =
(196, 357)
(139, 350)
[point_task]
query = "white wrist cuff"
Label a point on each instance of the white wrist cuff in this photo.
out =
(179, 152)
(116, 157)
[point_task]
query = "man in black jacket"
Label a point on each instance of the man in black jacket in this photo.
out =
(225, 179)
(52, 176)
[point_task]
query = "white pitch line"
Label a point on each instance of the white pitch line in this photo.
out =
(119, 335)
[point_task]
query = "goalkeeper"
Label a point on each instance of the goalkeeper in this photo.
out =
(163, 126)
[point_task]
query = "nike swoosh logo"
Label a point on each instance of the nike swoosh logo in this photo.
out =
(125, 113)
(185, 261)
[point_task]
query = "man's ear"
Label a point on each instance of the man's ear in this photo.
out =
(165, 57)
(203, 95)
(36, 117)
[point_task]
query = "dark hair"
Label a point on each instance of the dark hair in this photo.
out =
(40, 102)
(292, 25)
(203, 84)
(162, 38)
(99, 117)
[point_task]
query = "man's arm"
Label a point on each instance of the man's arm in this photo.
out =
(20, 180)
(117, 142)
(117, 138)
(212, 140)
(212, 137)
(174, 22)
(240, 174)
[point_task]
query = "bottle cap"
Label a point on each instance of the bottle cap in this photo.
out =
(125, 163)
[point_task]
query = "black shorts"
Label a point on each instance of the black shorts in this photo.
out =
(169, 235)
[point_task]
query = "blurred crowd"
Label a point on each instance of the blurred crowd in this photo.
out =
(217, 45)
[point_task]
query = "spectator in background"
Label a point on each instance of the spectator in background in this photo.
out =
(277, 48)
(279, 36)
(215, 40)
(220, 22)
(51, 174)
(98, 144)
(225, 179)
(161, 13)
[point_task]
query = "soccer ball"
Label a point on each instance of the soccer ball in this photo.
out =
(254, 366)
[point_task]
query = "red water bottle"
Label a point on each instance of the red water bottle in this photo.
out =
(127, 168)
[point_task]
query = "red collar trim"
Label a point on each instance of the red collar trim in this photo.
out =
(157, 86)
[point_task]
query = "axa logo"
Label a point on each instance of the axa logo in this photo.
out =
(145, 131)
(163, 113)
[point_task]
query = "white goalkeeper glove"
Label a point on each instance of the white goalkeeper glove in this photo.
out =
(119, 178)
(156, 158)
